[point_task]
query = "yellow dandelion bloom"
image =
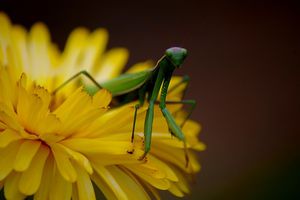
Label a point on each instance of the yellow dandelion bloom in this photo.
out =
(56, 149)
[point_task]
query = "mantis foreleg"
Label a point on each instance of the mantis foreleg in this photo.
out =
(150, 112)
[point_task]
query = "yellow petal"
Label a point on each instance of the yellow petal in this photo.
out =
(110, 180)
(22, 82)
(129, 183)
(8, 155)
(75, 195)
(104, 187)
(113, 62)
(160, 183)
(191, 130)
(30, 110)
(79, 158)
(177, 157)
(2, 58)
(99, 146)
(4, 28)
(119, 184)
(159, 123)
(113, 121)
(63, 163)
(169, 140)
(9, 121)
(2, 126)
(49, 125)
(176, 89)
(14, 72)
(147, 65)
(73, 105)
(13, 54)
(60, 188)
(84, 185)
(175, 190)
(75, 43)
(39, 41)
(7, 95)
(19, 48)
(8, 109)
(109, 159)
(77, 124)
(148, 170)
(94, 47)
(68, 65)
(25, 154)
(182, 184)
(54, 55)
(169, 173)
(7, 136)
(102, 98)
(51, 138)
(31, 178)
(47, 180)
(4, 36)
(153, 191)
(10, 189)
(44, 95)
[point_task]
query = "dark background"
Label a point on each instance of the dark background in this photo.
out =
(244, 64)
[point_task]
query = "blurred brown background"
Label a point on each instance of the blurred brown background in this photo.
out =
(244, 62)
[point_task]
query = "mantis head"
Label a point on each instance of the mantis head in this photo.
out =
(176, 55)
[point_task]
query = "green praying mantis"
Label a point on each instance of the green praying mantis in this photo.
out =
(147, 84)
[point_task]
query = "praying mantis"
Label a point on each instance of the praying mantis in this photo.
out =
(147, 84)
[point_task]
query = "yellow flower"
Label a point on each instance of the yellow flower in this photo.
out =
(55, 147)
(35, 54)
(34, 160)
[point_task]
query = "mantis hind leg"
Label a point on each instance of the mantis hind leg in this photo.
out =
(192, 104)
(176, 131)
(84, 73)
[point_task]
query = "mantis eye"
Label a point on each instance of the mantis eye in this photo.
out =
(176, 55)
